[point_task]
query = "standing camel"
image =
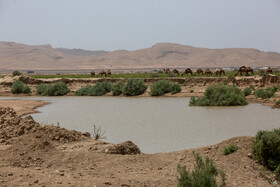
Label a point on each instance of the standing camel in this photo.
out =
(199, 71)
(243, 69)
(219, 71)
(175, 71)
(208, 72)
(92, 73)
(187, 71)
(166, 70)
(109, 73)
(102, 72)
(269, 70)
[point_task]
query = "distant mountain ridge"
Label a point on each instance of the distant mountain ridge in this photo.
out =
(162, 55)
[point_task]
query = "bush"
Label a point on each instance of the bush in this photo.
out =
(262, 72)
(204, 174)
(18, 87)
(266, 148)
(154, 75)
(220, 95)
(175, 88)
(264, 94)
(97, 90)
(247, 91)
(117, 88)
(277, 102)
(134, 87)
(162, 87)
(230, 149)
(56, 89)
(16, 73)
(84, 91)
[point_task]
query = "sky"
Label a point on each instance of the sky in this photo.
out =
(135, 24)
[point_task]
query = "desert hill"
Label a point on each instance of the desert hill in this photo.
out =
(162, 55)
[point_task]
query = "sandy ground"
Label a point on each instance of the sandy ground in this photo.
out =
(37, 158)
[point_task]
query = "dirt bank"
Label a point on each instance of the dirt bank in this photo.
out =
(40, 155)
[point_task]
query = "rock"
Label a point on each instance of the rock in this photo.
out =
(107, 183)
(86, 134)
(36, 181)
(124, 148)
(250, 155)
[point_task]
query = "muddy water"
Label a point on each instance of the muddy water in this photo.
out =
(157, 124)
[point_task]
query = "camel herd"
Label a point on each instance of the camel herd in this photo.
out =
(219, 71)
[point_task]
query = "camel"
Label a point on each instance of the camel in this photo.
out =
(109, 73)
(269, 70)
(166, 71)
(175, 71)
(199, 71)
(208, 72)
(187, 71)
(243, 69)
(102, 72)
(92, 73)
(219, 71)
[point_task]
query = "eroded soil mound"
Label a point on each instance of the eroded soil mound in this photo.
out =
(12, 125)
(124, 148)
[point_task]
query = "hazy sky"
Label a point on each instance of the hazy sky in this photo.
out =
(135, 24)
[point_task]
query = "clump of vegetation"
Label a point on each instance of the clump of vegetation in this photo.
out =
(154, 75)
(266, 149)
(84, 91)
(175, 88)
(97, 133)
(134, 87)
(277, 102)
(16, 73)
(265, 93)
(204, 174)
(252, 87)
(18, 87)
(230, 149)
(162, 87)
(262, 72)
(247, 91)
(220, 95)
(117, 88)
(97, 90)
(56, 89)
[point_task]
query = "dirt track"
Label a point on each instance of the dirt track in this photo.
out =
(32, 154)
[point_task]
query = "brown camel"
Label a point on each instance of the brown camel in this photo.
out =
(92, 73)
(175, 71)
(243, 69)
(187, 71)
(102, 72)
(219, 71)
(208, 72)
(109, 73)
(199, 71)
(166, 71)
(269, 70)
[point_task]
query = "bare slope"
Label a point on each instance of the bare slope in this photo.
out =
(24, 57)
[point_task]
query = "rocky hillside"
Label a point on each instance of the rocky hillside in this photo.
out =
(163, 55)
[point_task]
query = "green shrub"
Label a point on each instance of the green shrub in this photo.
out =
(154, 75)
(204, 174)
(247, 91)
(265, 93)
(220, 95)
(266, 148)
(18, 87)
(252, 87)
(191, 91)
(97, 90)
(277, 172)
(277, 102)
(134, 87)
(56, 89)
(117, 88)
(262, 72)
(84, 91)
(171, 75)
(230, 149)
(162, 87)
(175, 88)
(16, 73)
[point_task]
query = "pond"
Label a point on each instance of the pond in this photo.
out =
(160, 124)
